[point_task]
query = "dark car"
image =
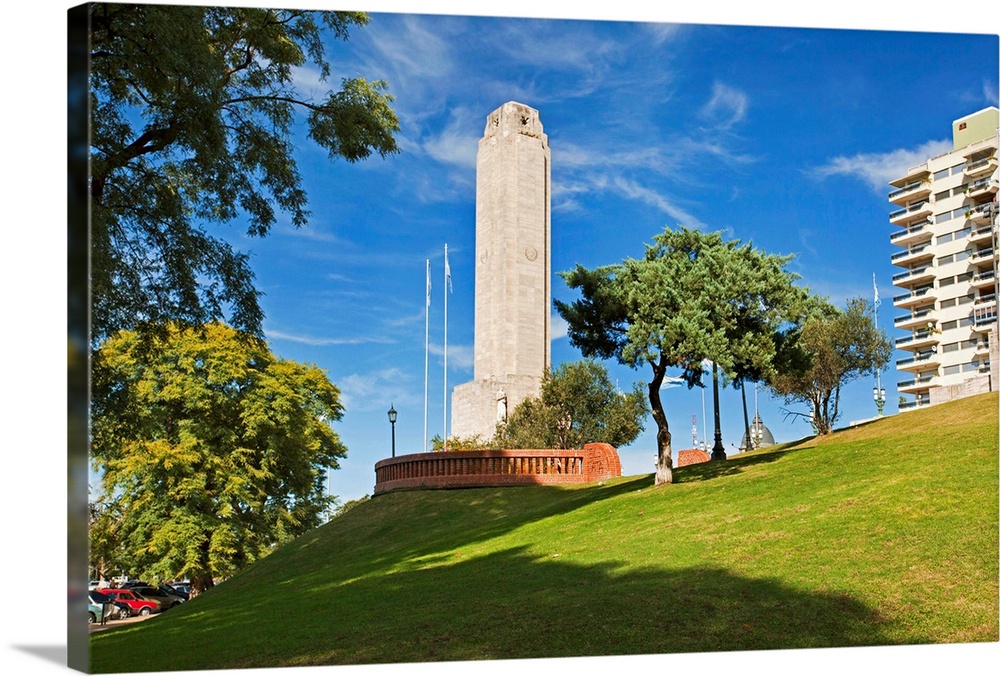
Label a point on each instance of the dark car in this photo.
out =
(167, 599)
(104, 608)
(181, 589)
(131, 584)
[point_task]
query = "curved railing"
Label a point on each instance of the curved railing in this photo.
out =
(466, 469)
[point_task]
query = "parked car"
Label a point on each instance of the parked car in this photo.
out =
(137, 604)
(180, 588)
(102, 607)
(167, 599)
(131, 584)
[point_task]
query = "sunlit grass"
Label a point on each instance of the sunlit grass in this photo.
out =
(882, 534)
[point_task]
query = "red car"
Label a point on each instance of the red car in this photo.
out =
(138, 605)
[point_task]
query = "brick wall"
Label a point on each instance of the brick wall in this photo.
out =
(465, 469)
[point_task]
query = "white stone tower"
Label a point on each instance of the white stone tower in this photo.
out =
(513, 271)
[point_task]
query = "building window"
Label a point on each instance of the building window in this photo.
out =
(947, 326)
(952, 370)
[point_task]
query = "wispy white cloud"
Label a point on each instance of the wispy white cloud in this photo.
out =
(317, 341)
(558, 328)
(727, 107)
(990, 92)
(460, 357)
(633, 190)
(458, 142)
(367, 391)
(877, 169)
(663, 32)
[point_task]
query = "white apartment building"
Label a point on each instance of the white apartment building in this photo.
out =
(945, 226)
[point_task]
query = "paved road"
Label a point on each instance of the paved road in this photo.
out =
(118, 623)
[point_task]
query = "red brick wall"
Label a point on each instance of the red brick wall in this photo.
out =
(455, 469)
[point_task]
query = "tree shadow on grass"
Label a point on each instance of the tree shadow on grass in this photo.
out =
(505, 605)
(706, 471)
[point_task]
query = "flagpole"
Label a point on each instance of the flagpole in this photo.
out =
(879, 393)
(447, 276)
(878, 373)
(427, 334)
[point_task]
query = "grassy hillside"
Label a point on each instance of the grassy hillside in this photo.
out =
(883, 534)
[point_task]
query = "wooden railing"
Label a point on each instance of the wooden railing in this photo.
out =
(465, 469)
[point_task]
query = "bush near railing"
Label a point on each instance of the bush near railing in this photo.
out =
(509, 467)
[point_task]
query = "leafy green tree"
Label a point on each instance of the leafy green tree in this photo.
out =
(212, 449)
(105, 550)
(682, 303)
(192, 112)
(578, 404)
(474, 442)
(828, 348)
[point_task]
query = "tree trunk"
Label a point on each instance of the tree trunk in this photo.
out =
(201, 583)
(203, 580)
(746, 420)
(664, 463)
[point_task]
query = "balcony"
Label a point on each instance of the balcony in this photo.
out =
(920, 275)
(918, 340)
(919, 403)
(915, 297)
(981, 213)
(915, 385)
(982, 347)
(984, 317)
(913, 255)
(981, 257)
(919, 362)
(913, 320)
(914, 234)
(981, 166)
(983, 279)
(982, 187)
(980, 233)
(909, 192)
(911, 214)
(915, 174)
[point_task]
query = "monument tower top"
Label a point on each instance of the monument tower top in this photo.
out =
(513, 270)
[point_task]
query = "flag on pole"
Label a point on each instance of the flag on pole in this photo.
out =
(447, 269)
(428, 282)
(877, 301)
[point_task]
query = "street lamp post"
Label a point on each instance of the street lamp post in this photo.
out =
(718, 451)
(878, 394)
(392, 421)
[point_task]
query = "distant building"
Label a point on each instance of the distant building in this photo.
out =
(760, 436)
(691, 456)
(945, 226)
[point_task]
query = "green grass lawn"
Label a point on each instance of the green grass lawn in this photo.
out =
(884, 534)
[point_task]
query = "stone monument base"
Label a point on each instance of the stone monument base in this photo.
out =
(479, 405)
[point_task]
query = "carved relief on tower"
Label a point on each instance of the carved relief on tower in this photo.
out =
(515, 118)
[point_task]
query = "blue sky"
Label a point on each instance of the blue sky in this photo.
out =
(784, 137)
(648, 127)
